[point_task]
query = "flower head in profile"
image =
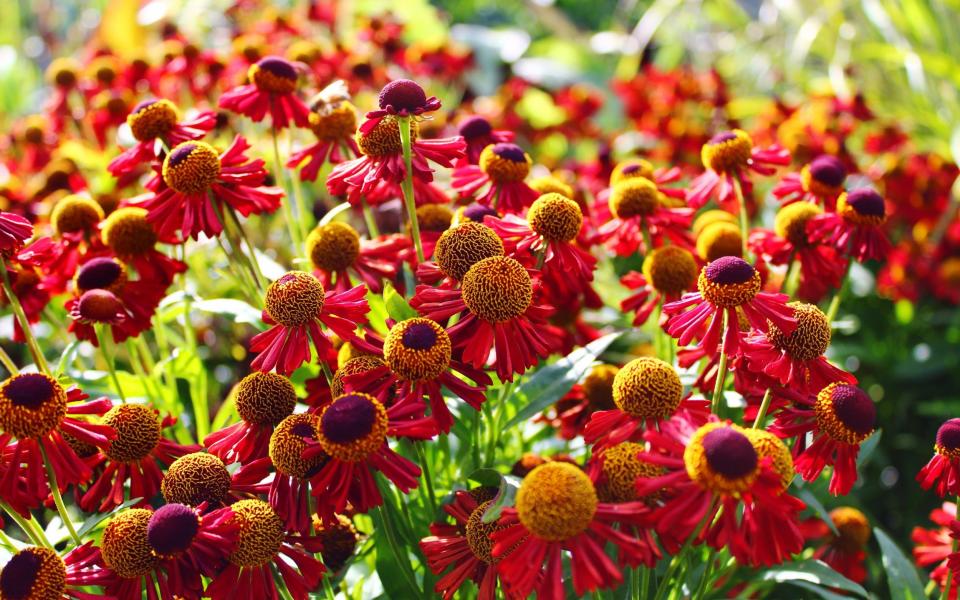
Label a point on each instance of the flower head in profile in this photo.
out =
(856, 229)
(636, 207)
(333, 120)
(497, 180)
(843, 550)
(478, 133)
(729, 159)
(820, 181)
(668, 273)
(942, 472)
(336, 251)
(401, 98)
(38, 572)
(272, 88)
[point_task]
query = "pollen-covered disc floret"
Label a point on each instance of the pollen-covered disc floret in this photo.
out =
(853, 528)
(721, 458)
(727, 152)
(556, 501)
(863, 206)
(152, 119)
(103, 273)
(461, 247)
(791, 222)
(598, 386)
(417, 349)
(333, 247)
(353, 427)
(336, 123)
(196, 478)
(75, 213)
(948, 439)
(33, 573)
(128, 233)
(555, 217)
(260, 535)
(671, 270)
(647, 388)
(384, 138)
(621, 468)
(845, 412)
(811, 337)
(719, 239)
(354, 366)
(497, 289)
(548, 184)
(31, 405)
(709, 217)
(138, 432)
(505, 163)
(823, 176)
(171, 529)
(729, 282)
(478, 535)
(191, 167)
(630, 169)
(125, 547)
(295, 299)
(434, 217)
(770, 446)
(634, 197)
(265, 398)
(273, 74)
(288, 442)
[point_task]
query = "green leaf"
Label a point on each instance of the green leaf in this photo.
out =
(486, 477)
(807, 496)
(902, 577)
(868, 447)
(814, 572)
(333, 213)
(397, 306)
(504, 498)
(67, 357)
(97, 518)
(551, 382)
(240, 311)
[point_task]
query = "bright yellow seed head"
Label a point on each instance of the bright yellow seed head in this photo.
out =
(853, 527)
(191, 167)
(337, 123)
(138, 432)
(295, 299)
(727, 152)
(125, 547)
(719, 239)
(265, 398)
(721, 458)
(354, 366)
(811, 337)
(555, 217)
(647, 388)
(31, 405)
(417, 349)
(464, 245)
(505, 163)
(196, 478)
(333, 247)
(434, 217)
(261, 533)
(791, 222)
(621, 469)
(152, 119)
(556, 501)
(287, 444)
(598, 386)
(128, 233)
(34, 573)
(630, 169)
(728, 282)
(384, 139)
(548, 184)
(671, 270)
(76, 213)
(709, 217)
(845, 413)
(634, 197)
(353, 427)
(767, 445)
(497, 289)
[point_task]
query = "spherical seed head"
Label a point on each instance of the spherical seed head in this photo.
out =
(288, 442)
(138, 432)
(621, 468)
(353, 427)
(718, 240)
(791, 222)
(634, 197)
(811, 337)
(403, 96)
(196, 478)
(354, 366)
(478, 535)
(384, 138)
(152, 119)
(845, 413)
(99, 306)
(128, 233)
(434, 217)
(598, 386)
(295, 299)
(337, 123)
(505, 163)
(863, 206)
(548, 184)
(274, 75)
(474, 127)
(171, 529)
(417, 349)
(853, 528)
(31, 405)
(33, 573)
(671, 270)
(497, 289)
(767, 445)
(709, 217)
(461, 247)
(630, 169)
(260, 536)
(647, 388)
(727, 152)
(75, 213)
(333, 247)
(728, 282)
(265, 398)
(948, 439)
(721, 459)
(103, 273)
(339, 539)
(823, 176)
(125, 547)
(555, 217)
(63, 72)
(191, 167)
(556, 501)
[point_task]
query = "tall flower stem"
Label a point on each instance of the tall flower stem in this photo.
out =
(764, 406)
(241, 236)
(389, 528)
(369, 218)
(293, 224)
(680, 557)
(29, 526)
(495, 418)
(408, 198)
(57, 498)
(8, 363)
(109, 353)
(721, 370)
(744, 221)
(21, 316)
(427, 477)
(835, 302)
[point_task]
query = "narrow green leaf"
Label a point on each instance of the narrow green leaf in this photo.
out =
(902, 577)
(238, 310)
(504, 498)
(815, 572)
(868, 447)
(67, 357)
(95, 519)
(807, 496)
(486, 477)
(397, 306)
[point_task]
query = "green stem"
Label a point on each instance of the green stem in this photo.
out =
(496, 417)
(293, 225)
(647, 242)
(369, 218)
(427, 477)
(8, 363)
(104, 337)
(408, 198)
(744, 222)
(149, 385)
(251, 252)
(57, 498)
(721, 369)
(328, 589)
(762, 413)
(391, 533)
(702, 587)
(21, 316)
(679, 558)
(28, 526)
(792, 278)
(237, 248)
(644, 590)
(835, 302)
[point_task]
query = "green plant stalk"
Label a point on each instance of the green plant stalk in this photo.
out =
(369, 218)
(104, 337)
(57, 498)
(293, 224)
(744, 222)
(8, 363)
(408, 198)
(21, 316)
(764, 406)
(28, 526)
(496, 418)
(838, 297)
(679, 557)
(427, 477)
(153, 394)
(390, 531)
(721, 369)
(252, 256)
(237, 247)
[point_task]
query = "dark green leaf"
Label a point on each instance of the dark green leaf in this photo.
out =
(504, 499)
(97, 518)
(486, 477)
(807, 496)
(867, 448)
(397, 306)
(814, 572)
(902, 577)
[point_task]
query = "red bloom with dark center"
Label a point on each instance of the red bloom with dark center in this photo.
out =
(498, 179)
(820, 181)
(935, 546)
(272, 88)
(336, 250)
(478, 133)
(333, 120)
(729, 157)
(36, 572)
(855, 230)
(942, 472)
(843, 550)
(401, 98)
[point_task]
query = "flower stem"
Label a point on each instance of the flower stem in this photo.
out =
(764, 406)
(28, 526)
(293, 224)
(408, 198)
(721, 369)
(835, 302)
(8, 363)
(369, 218)
(21, 316)
(57, 498)
(427, 477)
(679, 558)
(391, 533)
(495, 419)
(744, 222)
(108, 351)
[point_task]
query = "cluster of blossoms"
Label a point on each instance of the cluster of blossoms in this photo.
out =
(392, 345)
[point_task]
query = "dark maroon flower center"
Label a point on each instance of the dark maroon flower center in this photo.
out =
(145, 104)
(723, 137)
(29, 390)
(172, 528)
(19, 575)
(180, 154)
(98, 305)
(854, 408)
(419, 336)
(402, 95)
(475, 128)
(287, 278)
(630, 169)
(728, 270)
(279, 67)
(302, 430)
(948, 436)
(828, 170)
(511, 152)
(729, 453)
(476, 212)
(349, 418)
(867, 202)
(99, 273)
